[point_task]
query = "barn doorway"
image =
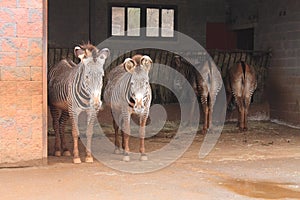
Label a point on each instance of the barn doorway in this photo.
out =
(245, 39)
(219, 36)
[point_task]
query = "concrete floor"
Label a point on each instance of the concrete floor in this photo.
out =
(262, 163)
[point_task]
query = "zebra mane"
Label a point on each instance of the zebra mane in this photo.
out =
(138, 69)
(88, 46)
(187, 69)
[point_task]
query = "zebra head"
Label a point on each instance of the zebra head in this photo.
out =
(92, 61)
(139, 91)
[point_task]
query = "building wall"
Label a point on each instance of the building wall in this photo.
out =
(69, 20)
(278, 29)
(242, 14)
(21, 80)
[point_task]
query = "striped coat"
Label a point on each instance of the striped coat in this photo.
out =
(72, 89)
(241, 83)
(206, 82)
(128, 92)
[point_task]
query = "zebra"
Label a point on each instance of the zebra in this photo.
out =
(72, 89)
(207, 82)
(241, 83)
(128, 92)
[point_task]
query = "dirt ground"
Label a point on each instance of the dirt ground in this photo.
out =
(262, 163)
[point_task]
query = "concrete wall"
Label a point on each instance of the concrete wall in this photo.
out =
(21, 80)
(278, 28)
(242, 14)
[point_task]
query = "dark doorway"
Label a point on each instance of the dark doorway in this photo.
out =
(219, 36)
(245, 39)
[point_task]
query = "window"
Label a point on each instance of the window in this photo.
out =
(118, 21)
(128, 20)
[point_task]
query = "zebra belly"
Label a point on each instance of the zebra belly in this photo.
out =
(62, 105)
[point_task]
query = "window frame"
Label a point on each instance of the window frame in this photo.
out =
(143, 21)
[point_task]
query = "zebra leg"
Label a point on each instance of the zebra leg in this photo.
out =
(74, 119)
(209, 117)
(210, 110)
(62, 123)
(242, 114)
(126, 133)
(240, 104)
(117, 139)
(205, 124)
(56, 113)
(245, 119)
(205, 110)
(143, 121)
(247, 104)
(89, 135)
(242, 124)
(123, 141)
(228, 99)
(191, 117)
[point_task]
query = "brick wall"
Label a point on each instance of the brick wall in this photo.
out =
(21, 80)
(278, 28)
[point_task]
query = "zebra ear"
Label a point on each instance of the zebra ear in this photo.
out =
(104, 53)
(129, 65)
(146, 61)
(79, 52)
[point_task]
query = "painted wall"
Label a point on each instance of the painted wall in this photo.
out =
(21, 80)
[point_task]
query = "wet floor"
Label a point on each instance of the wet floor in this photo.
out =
(263, 190)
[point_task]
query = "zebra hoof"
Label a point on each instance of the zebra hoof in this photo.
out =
(117, 151)
(126, 158)
(67, 153)
(76, 160)
(242, 129)
(143, 157)
(89, 159)
(57, 153)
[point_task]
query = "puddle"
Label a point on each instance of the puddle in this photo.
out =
(265, 190)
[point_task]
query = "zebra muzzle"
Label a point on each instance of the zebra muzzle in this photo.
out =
(138, 106)
(97, 103)
(138, 109)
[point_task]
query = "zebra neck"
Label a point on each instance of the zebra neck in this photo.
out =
(128, 92)
(81, 92)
